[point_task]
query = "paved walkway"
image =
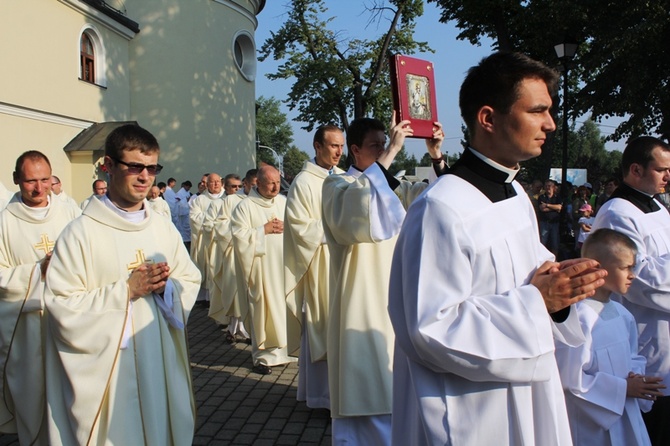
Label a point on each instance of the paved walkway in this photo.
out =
(236, 406)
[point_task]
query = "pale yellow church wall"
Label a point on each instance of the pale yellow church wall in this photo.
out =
(44, 72)
(186, 88)
(45, 104)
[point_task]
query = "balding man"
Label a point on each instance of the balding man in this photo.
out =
(99, 190)
(157, 204)
(29, 227)
(306, 260)
(197, 208)
(258, 224)
(58, 192)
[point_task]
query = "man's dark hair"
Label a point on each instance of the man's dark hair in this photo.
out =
(161, 185)
(130, 137)
(171, 180)
(33, 155)
(638, 151)
(251, 173)
(358, 130)
(187, 183)
(495, 82)
(320, 133)
(230, 176)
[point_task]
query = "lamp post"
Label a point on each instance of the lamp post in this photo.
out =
(565, 52)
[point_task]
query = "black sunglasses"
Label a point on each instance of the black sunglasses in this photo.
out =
(137, 168)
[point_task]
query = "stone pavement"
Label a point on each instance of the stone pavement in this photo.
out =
(236, 406)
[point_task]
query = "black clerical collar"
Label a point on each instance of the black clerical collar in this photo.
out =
(490, 181)
(640, 200)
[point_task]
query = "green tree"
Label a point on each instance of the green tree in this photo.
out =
(336, 78)
(622, 67)
(293, 161)
(272, 130)
(403, 162)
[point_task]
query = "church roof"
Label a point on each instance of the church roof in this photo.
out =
(93, 138)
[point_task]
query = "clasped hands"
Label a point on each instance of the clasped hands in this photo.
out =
(148, 278)
(565, 283)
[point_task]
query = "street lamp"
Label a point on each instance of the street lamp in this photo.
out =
(279, 159)
(565, 52)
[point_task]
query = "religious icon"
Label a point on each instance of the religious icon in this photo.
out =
(419, 100)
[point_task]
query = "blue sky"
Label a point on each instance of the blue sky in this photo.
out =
(451, 60)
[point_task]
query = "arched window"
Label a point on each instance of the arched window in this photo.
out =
(87, 59)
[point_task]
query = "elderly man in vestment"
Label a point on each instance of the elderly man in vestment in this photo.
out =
(473, 291)
(200, 239)
(157, 204)
(257, 224)
(633, 210)
(120, 287)
(29, 226)
(306, 265)
(226, 307)
(362, 214)
(99, 190)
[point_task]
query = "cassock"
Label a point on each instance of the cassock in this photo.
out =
(200, 240)
(160, 207)
(118, 369)
(224, 301)
(594, 376)
(361, 217)
(474, 357)
(647, 223)
(306, 270)
(27, 235)
(260, 275)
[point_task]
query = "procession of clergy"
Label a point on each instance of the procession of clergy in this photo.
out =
(452, 304)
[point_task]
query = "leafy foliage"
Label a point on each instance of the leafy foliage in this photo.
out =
(622, 67)
(272, 128)
(293, 161)
(338, 78)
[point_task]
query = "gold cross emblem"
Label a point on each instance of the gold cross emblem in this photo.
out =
(139, 260)
(45, 244)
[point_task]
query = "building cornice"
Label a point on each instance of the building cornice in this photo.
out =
(104, 19)
(258, 5)
(39, 115)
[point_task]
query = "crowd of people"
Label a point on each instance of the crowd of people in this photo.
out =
(418, 313)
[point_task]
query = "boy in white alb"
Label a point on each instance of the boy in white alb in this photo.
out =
(603, 378)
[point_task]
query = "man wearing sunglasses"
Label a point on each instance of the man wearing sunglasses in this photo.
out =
(99, 189)
(121, 287)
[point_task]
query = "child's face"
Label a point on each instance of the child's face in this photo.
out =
(619, 267)
(586, 213)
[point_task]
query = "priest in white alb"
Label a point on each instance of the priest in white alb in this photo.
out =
(120, 287)
(224, 307)
(257, 224)
(307, 263)
(474, 296)
(29, 226)
(362, 214)
(157, 204)
(200, 240)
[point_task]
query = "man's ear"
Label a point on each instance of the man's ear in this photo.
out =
(485, 118)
